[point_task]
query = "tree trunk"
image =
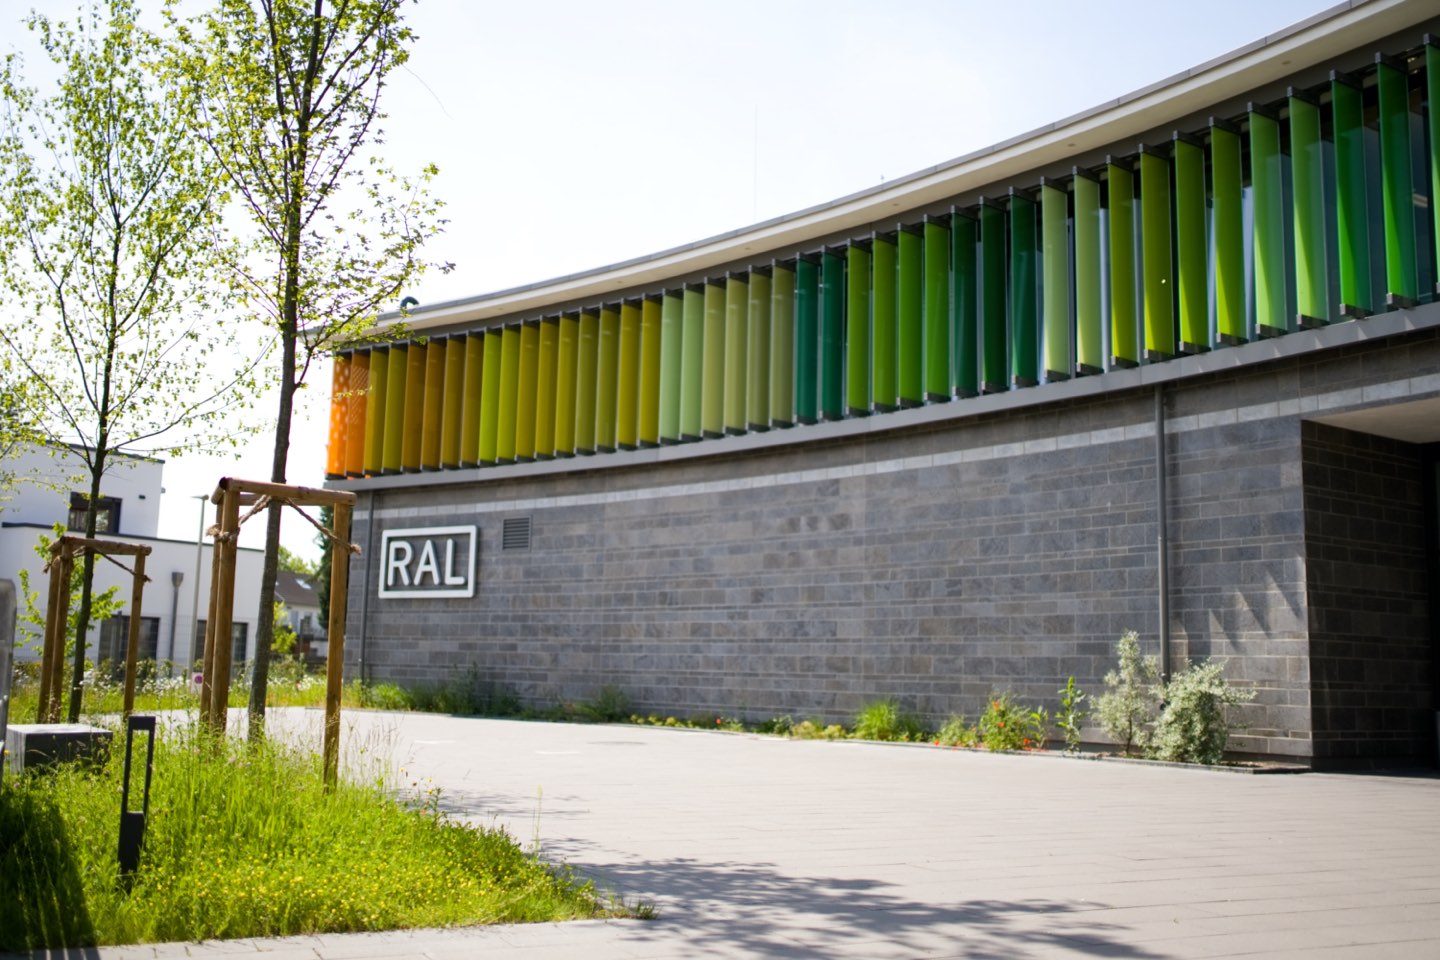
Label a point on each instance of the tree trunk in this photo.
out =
(87, 583)
(265, 616)
(296, 195)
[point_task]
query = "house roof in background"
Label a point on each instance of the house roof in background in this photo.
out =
(294, 590)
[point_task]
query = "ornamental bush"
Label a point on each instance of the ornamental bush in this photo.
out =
(1132, 692)
(1005, 725)
(1183, 721)
(1070, 715)
(1193, 727)
(955, 733)
(887, 720)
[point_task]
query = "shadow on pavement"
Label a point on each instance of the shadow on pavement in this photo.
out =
(749, 909)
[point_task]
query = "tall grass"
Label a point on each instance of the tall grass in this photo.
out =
(244, 841)
(291, 685)
(887, 720)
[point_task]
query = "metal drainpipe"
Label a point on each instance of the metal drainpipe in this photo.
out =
(365, 592)
(1162, 533)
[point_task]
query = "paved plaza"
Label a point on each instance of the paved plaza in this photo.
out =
(762, 847)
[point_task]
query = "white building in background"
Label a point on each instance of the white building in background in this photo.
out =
(302, 613)
(49, 487)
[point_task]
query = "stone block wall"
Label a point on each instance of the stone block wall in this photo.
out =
(1370, 652)
(939, 566)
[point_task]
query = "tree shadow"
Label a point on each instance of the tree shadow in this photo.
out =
(754, 910)
(42, 898)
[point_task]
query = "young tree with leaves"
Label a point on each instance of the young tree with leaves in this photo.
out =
(296, 564)
(292, 113)
(14, 420)
(108, 227)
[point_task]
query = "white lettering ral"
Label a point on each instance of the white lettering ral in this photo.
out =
(452, 579)
(397, 562)
(397, 565)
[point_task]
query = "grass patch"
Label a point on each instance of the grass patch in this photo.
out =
(887, 720)
(243, 841)
(290, 685)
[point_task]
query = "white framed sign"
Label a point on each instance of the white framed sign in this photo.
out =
(428, 562)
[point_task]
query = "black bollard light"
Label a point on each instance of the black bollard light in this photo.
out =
(132, 822)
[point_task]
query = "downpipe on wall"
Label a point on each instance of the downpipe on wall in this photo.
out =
(1162, 534)
(365, 593)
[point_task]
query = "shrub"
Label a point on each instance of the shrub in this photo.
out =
(1070, 715)
(382, 696)
(815, 730)
(780, 725)
(1007, 726)
(885, 720)
(956, 733)
(468, 694)
(1192, 727)
(610, 705)
(1127, 706)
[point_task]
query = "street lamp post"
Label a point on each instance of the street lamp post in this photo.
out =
(177, 577)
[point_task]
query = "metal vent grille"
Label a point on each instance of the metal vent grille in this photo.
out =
(515, 534)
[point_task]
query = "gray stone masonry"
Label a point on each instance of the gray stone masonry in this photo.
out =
(1370, 653)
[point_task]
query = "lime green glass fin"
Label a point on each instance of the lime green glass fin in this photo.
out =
(1308, 192)
(1055, 279)
(757, 339)
(937, 308)
(857, 329)
(782, 346)
(1268, 234)
(882, 329)
(1191, 245)
(1089, 350)
(1228, 227)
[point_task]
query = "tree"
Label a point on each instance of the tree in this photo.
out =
(108, 221)
(296, 564)
(283, 644)
(103, 605)
(14, 426)
(292, 106)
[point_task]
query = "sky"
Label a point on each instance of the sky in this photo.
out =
(571, 134)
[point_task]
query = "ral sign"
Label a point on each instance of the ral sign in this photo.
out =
(428, 562)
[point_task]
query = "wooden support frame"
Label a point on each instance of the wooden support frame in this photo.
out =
(63, 553)
(229, 496)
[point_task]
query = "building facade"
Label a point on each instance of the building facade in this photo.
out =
(1172, 365)
(48, 489)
